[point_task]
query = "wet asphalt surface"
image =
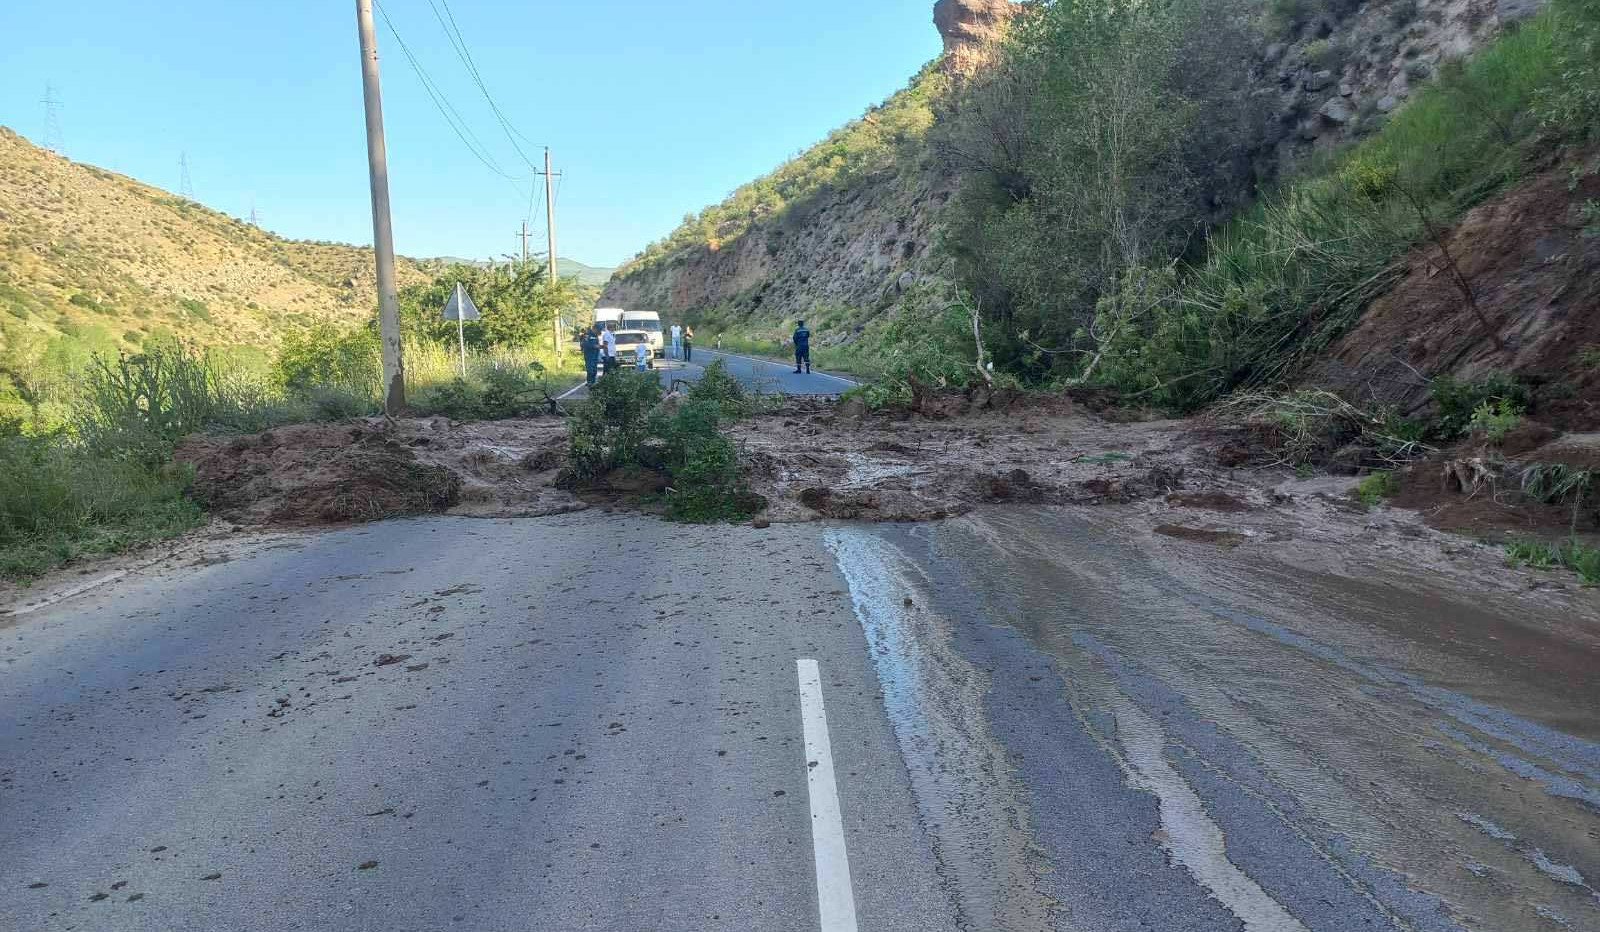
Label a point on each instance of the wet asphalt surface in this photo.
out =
(591, 722)
(763, 375)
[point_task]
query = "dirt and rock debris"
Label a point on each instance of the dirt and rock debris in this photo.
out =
(822, 459)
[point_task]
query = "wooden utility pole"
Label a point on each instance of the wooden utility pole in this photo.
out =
(394, 370)
(550, 224)
(524, 235)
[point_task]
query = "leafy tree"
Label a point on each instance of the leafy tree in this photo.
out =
(1097, 142)
(518, 303)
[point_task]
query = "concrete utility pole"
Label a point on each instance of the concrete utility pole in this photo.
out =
(524, 235)
(394, 370)
(550, 224)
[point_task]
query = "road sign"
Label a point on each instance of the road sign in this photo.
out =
(460, 306)
(461, 309)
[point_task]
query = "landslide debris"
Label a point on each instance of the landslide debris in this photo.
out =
(374, 468)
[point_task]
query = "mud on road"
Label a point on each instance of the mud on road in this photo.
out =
(816, 459)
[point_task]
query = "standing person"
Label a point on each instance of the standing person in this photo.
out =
(608, 348)
(802, 347)
(677, 342)
(719, 342)
(591, 352)
(641, 356)
(688, 344)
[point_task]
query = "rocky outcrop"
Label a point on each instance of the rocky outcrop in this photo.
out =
(970, 29)
(834, 261)
(1336, 74)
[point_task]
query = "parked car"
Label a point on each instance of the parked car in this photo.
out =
(650, 323)
(626, 341)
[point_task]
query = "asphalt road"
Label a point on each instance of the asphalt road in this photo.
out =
(601, 721)
(761, 375)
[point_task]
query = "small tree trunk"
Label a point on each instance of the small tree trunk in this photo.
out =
(1464, 286)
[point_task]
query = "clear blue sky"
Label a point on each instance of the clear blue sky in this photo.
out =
(653, 108)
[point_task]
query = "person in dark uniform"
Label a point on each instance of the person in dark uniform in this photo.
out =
(591, 353)
(802, 347)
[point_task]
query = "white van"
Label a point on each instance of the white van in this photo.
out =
(649, 322)
(609, 315)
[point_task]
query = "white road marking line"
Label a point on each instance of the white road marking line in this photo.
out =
(571, 391)
(836, 901)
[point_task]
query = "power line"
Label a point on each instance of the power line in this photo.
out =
(452, 32)
(447, 110)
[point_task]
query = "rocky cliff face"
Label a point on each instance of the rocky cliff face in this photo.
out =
(1338, 73)
(970, 29)
(844, 255)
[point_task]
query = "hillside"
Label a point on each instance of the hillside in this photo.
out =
(835, 232)
(585, 274)
(103, 259)
(839, 232)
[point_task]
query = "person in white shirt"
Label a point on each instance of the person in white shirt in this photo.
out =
(677, 342)
(608, 347)
(641, 356)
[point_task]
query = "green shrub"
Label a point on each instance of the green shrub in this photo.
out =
(1459, 403)
(1496, 419)
(325, 357)
(457, 399)
(1374, 488)
(1327, 55)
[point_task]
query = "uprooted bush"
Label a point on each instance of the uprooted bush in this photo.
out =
(609, 432)
(626, 427)
(707, 479)
(930, 348)
(1318, 428)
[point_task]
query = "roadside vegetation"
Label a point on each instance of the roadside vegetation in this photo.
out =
(86, 438)
(1105, 130)
(627, 431)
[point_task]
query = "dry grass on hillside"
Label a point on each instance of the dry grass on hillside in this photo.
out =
(83, 248)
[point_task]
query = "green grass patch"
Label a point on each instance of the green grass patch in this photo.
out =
(1374, 488)
(59, 503)
(1570, 554)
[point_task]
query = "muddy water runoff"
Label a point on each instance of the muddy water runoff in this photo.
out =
(1106, 733)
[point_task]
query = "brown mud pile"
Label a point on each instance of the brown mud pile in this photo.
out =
(839, 461)
(375, 468)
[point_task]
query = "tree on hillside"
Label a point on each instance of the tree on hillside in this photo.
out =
(1098, 141)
